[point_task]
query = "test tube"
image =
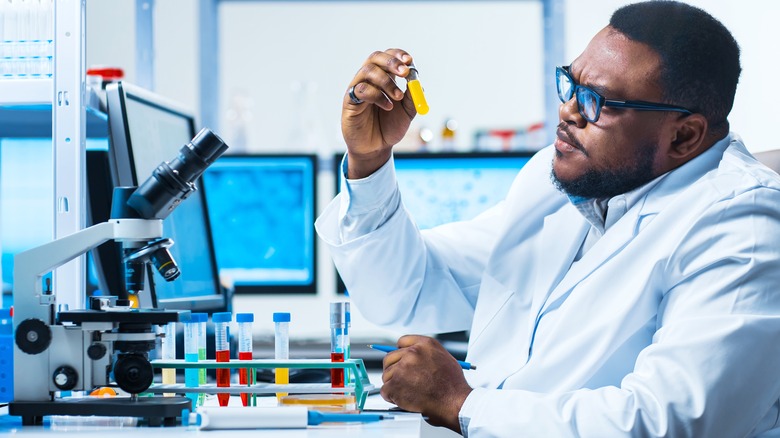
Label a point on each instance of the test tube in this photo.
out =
(169, 353)
(246, 376)
(282, 348)
(347, 344)
(191, 355)
(202, 320)
(416, 91)
(222, 347)
(338, 323)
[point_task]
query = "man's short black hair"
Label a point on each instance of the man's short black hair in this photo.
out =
(699, 56)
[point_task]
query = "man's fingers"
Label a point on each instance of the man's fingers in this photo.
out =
(365, 92)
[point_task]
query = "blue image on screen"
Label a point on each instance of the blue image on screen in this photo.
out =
(438, 190)
(27, 197)
(261, 210)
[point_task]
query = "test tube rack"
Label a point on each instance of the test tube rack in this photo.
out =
(359, 385)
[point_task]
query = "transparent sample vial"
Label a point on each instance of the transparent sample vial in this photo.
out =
(338, 347)
(416, 91)
(282, 348)
(191, 355)
(246, 376)
(347, 345)
(169, 353)
(222, 346)
(202, 320)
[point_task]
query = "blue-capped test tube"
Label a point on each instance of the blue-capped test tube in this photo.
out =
(191, 355)
(202, 320)
(246, 376)
(347, 346)
(282, 348)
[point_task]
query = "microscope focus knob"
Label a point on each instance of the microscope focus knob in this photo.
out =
(133, 373)
(33, 336)
(65, 378)
(96, 351)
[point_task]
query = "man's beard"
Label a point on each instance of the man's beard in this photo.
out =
(606, 183)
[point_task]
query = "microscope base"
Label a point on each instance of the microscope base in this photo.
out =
(159, 411)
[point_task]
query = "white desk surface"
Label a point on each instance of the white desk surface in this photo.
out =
(402, 425)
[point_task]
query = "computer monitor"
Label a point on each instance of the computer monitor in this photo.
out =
(26, 199)
(262, 209)
(442, 188)
(438, 188)
(145, 130)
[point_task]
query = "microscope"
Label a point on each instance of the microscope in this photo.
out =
(58, 349)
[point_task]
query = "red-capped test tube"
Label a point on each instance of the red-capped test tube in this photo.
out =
(246, 376)
(222, 346)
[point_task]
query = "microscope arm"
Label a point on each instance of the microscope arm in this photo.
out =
(31, 265)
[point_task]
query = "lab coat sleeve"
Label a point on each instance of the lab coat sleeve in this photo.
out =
(712, 367)
(397, 276)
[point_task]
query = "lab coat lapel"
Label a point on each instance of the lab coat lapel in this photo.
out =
(561, 238)
(607, 246)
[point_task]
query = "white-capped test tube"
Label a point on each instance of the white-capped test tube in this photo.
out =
(191, 355)
(246, 376)
(201, 320)
(222, 345)
(338, 323)
(169, 353)
(282, 348)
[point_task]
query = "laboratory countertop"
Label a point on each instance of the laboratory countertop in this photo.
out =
(400, 425)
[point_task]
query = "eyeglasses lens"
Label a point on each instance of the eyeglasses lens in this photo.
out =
(587, 104)
(565, 86)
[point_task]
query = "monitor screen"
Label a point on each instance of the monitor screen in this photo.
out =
(145, 130)
(443, 188)
(261, 209)
(438, 188)
(27, 199)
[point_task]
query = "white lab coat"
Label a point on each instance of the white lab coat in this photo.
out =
(668, 326)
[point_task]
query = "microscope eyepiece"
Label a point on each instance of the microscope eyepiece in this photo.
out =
(173, 181)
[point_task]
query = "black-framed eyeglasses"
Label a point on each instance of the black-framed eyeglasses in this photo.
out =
(589, 102)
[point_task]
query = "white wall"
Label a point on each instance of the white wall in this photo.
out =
(480, 62)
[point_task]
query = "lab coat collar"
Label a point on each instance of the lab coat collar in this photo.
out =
(552, 290)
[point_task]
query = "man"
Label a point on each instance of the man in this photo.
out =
(628, 284)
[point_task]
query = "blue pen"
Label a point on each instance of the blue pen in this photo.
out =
(389, 348)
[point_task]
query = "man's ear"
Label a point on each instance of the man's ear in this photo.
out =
(689, 137)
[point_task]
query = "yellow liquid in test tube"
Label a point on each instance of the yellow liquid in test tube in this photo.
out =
(282, 378)
(416, 91)
(418, 98)
(282, 348)
(169, 378)
(168, 353)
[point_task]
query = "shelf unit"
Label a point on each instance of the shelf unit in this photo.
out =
(56, 108)
(61, 96)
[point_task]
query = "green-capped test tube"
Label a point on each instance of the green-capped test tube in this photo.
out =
(202, 320)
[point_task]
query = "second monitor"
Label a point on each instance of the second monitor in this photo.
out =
(261, 210)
